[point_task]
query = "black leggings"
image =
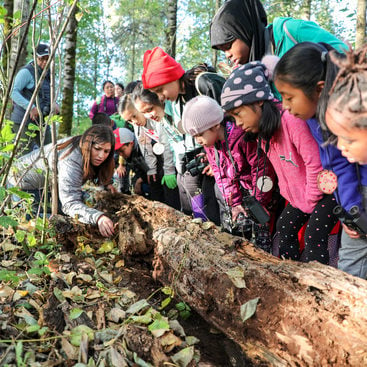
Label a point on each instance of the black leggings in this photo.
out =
(320, 222)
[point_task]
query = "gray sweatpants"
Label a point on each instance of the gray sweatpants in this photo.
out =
(353, 252)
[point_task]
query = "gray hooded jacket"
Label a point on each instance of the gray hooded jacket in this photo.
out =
(70, 180)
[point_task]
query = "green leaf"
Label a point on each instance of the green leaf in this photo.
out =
(77, 332)
(2, 193)
(144, 319)
(158, 327)
(32, 328)
(7, 222)
(248, 309)
(18, 354)
(75, 313)
(16, 191)
(33, 127)
(165, 302)
(3, 11)
(20, 235)
(58, 294)
(168, 291)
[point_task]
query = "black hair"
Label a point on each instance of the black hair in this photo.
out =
(101, 118)
(130, 86)
(125, 103)
(269, 123)
(105, 82)
(145, 95)
(306, 64)
(120, 85)
(270, 120)
(188, 80)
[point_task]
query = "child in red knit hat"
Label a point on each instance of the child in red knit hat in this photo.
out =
(164, 76)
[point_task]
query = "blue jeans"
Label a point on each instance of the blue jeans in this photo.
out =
(353, 256)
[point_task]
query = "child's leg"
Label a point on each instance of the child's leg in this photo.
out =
(353, 256)
(321, 222)
(289, 223)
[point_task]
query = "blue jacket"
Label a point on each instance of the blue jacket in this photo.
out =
(23, 88)
(348, 191)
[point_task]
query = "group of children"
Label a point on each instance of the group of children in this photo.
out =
(277, 146)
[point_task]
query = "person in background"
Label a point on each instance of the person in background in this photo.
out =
(119, 90)
(240, 29)
(293, 152)
(151, 135)
(127, 147)
(107, 103)
(24, 85)
(345, 117)
(239, 168)
(80, 158)
(164, 76)
(304, 76)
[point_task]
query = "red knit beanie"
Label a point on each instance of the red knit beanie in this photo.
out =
(160, 68)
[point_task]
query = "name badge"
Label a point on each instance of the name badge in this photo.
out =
(327, 182)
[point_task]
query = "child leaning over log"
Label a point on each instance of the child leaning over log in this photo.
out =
(346, 118)
(239, 167)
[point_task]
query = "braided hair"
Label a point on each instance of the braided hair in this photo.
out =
(349, 91)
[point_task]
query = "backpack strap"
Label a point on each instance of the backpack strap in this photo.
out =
(285, 29)
(197, 80)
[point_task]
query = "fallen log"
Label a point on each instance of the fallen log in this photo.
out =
(281, 313)
(306, 314)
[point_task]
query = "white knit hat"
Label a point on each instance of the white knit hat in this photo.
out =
(200, 114)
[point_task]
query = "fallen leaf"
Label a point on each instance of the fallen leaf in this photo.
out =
(236, 275)
(70, 351)
(183, 357)
(106, 247)
(78, 331)
(248, 309)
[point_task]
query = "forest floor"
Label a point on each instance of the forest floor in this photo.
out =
(85, 305)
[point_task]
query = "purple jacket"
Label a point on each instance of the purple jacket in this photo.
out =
(295, 156)
(106, 105)
(244, 155)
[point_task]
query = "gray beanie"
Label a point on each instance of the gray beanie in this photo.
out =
(200, 114)
(246, 84)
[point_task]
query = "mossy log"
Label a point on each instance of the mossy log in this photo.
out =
(306, 314)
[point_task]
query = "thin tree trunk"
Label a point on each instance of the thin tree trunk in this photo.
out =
(171, 28)
(306, 10)
(8, 5)
(24, 7)
(67, 106)
(361, 23)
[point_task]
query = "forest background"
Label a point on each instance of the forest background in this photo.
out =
(98, 40)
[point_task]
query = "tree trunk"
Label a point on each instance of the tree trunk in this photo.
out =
(306, 10)
(171, 28)
(303, 314)
(67, 104)
(361, 23)
(8, 5)
(24, 7)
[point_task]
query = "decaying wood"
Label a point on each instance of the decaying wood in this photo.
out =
(307, 314)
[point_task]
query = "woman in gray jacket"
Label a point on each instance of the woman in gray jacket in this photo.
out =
(80, 158)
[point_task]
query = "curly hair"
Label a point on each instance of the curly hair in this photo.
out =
(349, 91)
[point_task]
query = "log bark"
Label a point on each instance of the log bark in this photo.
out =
(307, 314)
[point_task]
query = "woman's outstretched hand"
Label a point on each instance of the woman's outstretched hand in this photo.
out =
(105, 226)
